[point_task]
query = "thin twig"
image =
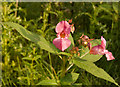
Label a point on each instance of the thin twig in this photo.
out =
(55, 73)
(73, 64)
(60, 57)
(69, 67)
(84, 54)
(16, 8)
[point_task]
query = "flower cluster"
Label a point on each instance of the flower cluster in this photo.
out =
(101, 50)
(85, 41)
(62, 42)
(75, 50)
(63, 30)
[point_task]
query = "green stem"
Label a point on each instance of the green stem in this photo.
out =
(16, 8)
(63, 67)
(69, 67)
(50, 60)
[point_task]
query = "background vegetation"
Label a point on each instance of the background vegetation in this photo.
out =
(19, 66)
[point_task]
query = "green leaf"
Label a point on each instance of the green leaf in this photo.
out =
(78, 84)
(64, 53)
(47, 82)
(69, 79)
(33, 37)
(71, 39)
(27, 58)
(106, 7)
(90, 57)
(95, 42)
(93, 69)
(72, 42)
(115, 6)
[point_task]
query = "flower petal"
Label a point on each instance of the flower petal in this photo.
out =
(94, 50)
(65, 43)
(67, 28)
(60, 27)
(63, 26)
(61, 43)
(89, 45)
(97, 50)
(57, 43)
(109, 56)
(103, 42)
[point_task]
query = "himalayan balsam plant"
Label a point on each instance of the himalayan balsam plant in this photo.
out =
(63, 46)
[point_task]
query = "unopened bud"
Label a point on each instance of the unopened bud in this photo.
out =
(78, 54)
(86, 37)
(72, 29)
(79, 41)
(76, 48)
(70, 21)
(84, 44)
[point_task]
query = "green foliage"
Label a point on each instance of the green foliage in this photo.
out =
(33, 37)
(69, 79)
(90, 57)
(24, 63)
(71, 39)
(47, 82)
(93, 69)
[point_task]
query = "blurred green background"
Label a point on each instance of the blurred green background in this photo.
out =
(94, 19)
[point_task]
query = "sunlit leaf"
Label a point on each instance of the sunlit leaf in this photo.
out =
(47, 82)
(33, 37)
(93, 69)
(90, 57)
(71, 39)
(64, 53)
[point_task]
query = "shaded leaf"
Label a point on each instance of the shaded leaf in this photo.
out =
(69, 79)
(106, 7)
(115, 6)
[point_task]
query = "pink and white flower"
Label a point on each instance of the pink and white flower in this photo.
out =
(63, 30)
(101, 50)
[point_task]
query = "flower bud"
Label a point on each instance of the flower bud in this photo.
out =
(72, 29)
(78, 54)
(86, 37)
(74, 50)
(79, 41)
(85, 43)
(70, 21)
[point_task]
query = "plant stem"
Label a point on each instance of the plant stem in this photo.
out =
(16, 8)
(73, 64)
(63, 67)
(84, 54)
(69, 67)
(50, 60)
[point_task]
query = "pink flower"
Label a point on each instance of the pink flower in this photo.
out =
(63, 30)
(100, 49)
